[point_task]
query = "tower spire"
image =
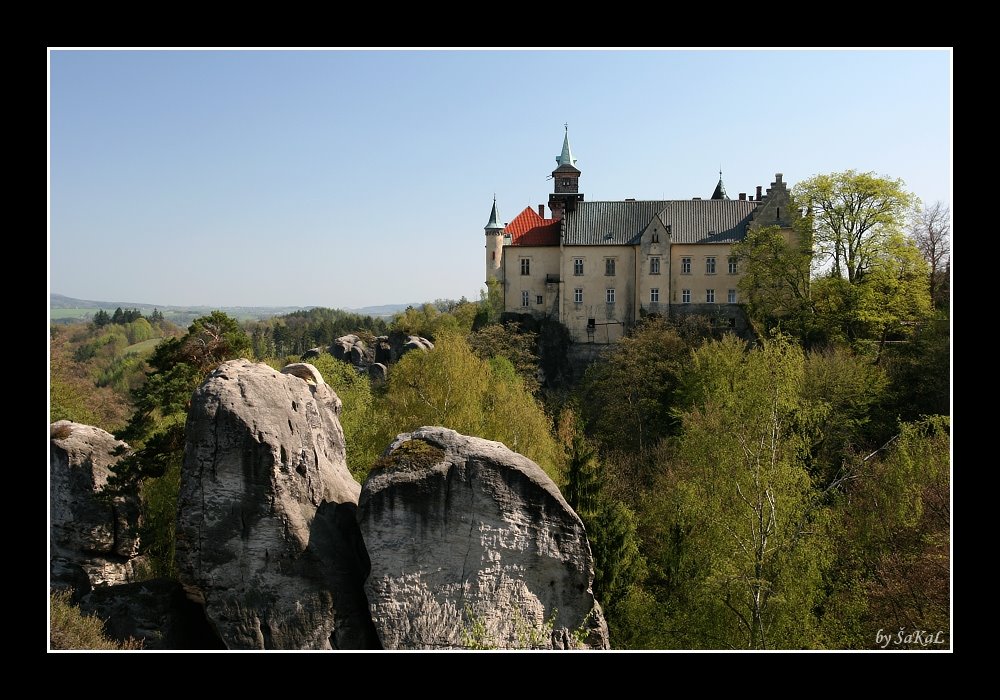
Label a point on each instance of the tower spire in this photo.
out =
(566, 157)
(494, 223)
(720, 189)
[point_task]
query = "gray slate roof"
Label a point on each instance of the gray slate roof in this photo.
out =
(691, 221)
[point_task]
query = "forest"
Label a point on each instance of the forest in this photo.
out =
(788, 488)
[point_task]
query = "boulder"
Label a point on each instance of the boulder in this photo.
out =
(415, 342)
(378, 372)
(473, 546)
(383, 350)
(311, 354)
(267, 538)
(154, 612)
(93, 538)
(341, 347)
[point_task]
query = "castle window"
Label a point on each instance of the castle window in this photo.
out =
(565, 182)
(710, 296)
(654, 295)
(710, 265)
(609, 295)
(525, 266)
(731, 296)
(539, 299)
(685, 266)
(525, 298)
(685, 296)
(733, 268)
(609, 267)
(577, 266)
(654, 266)
(578, 295)
(655, 238)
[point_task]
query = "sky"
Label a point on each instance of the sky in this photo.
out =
(356, 178)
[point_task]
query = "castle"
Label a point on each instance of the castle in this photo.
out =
(598, 267)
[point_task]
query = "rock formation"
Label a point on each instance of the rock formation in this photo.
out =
(93, 538)
(266, 534)
(155, 612)
(385, 349)
(472, 545)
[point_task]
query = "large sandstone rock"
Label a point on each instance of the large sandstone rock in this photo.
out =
(472, 545)
(266, 531)
(94, 539)
(155, 612)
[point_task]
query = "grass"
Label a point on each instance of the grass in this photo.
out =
(71, 629)
(72, 313)
(144, 346)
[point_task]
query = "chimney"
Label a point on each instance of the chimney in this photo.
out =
(743, 196)
(758, 193)
(777, 178)
(541, 210)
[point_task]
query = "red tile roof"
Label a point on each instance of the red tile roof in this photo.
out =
(528, 228)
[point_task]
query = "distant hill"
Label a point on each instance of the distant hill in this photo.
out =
(66, 309)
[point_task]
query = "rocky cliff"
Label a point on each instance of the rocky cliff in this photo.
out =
(473, 546)
(266, 530)
(93, 539)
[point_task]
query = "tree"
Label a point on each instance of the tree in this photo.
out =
(626, 399)
(610, 524)
(451, 387)
(507, 340)
(930, 230)
(775, 282)
(887, 303)
(101, 318)
(748, 551)
(852, 216)
(156, 429)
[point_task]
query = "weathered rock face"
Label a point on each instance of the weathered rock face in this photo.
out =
(266, 531)
(378, 372)
(473, 545)
(94, 540)
(155, 612)
(415, 342)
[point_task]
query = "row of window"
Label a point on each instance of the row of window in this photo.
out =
(654, 296)
(654, 266)
(526, 298)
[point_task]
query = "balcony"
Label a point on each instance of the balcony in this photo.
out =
(551, 279)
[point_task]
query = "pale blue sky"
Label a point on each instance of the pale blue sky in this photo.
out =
(354, 178)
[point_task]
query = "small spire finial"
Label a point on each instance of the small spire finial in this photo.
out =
(566, 125)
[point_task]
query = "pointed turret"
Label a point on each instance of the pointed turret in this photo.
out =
(720, 189)
(494, 243)
(494, 223)
(566, 177)
(566, 157)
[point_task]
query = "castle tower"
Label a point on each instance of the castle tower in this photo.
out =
(720, 189)
(494, 243)
(566, 177)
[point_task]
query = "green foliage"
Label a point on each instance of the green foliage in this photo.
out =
(451, 387)
(159, 510)
(507, 341)
(430, 322)
(741, 547)
(294, 333)
(610, 524)
(138, 331)
(840, 393)
(893, 568)
(71, 629)
(626, 398)
(775, 282)
(362, 418)
(853, 217)
(490, 304)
